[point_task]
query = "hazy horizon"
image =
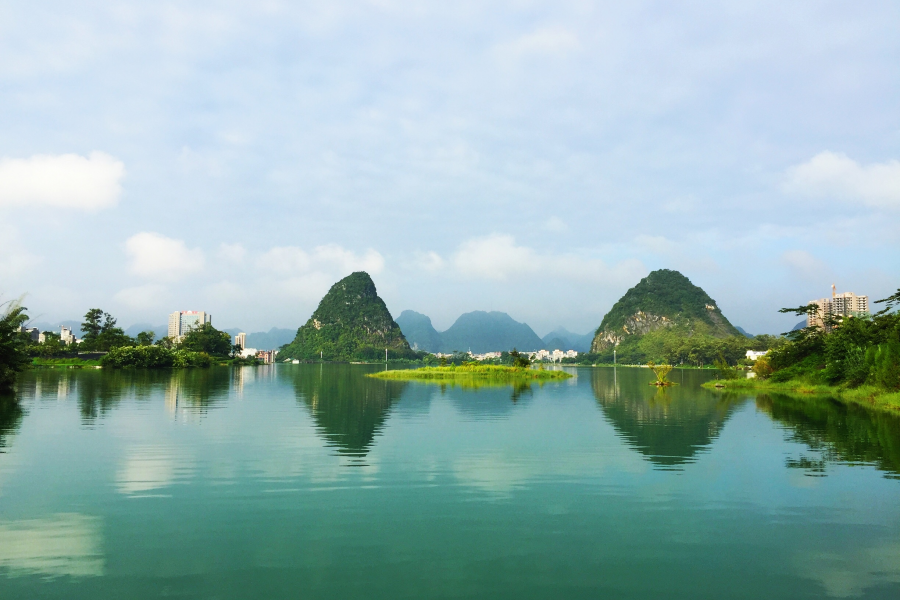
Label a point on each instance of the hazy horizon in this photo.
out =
(533, 158)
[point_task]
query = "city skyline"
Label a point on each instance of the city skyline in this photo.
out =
(532, 159)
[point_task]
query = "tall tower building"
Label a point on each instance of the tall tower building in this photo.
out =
(240, 340)
(846, 304)
(182, 321)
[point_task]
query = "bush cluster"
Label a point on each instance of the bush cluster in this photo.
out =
(857, 350)
(153, 357)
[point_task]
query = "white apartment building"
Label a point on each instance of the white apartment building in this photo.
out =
(846, 304)
(240, 340)
(182, 321)
(66, 336)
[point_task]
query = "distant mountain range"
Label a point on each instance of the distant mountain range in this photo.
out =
(481, 331)
(272, 339)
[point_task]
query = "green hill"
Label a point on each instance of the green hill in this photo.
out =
(351, 323)
(664, 299)
(478, 331)
(481, 331)
(419, 332)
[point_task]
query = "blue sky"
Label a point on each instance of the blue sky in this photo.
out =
(533, 157)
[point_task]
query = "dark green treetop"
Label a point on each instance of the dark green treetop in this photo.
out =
(351, 323)
(207, 338)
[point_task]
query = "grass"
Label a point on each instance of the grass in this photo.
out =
(869, 396)
(472, 372)
(64, 362)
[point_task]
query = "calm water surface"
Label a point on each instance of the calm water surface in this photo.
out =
(308, 481)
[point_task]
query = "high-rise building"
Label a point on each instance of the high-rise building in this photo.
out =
(182, 321)
(66, 336)
(240, 340)
(846, 304)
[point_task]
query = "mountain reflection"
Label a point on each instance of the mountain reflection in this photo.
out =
(348, 408)
(668, 425)
(838, 433)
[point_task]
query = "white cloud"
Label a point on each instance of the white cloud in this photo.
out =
(159, 257)
(329, 258)
(804, 265)
(14, 259)
(550, 40)
(143, 297)
(497, 257)
(233, 253)
(835, 175)
(62, 181)
(555, 224)
(428, 261)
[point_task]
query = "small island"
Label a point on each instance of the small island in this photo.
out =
(473, 372)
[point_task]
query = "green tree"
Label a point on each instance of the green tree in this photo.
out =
(91, 327)
(207, 338)
(145, 338)
(100, 332)
(13, 352)
(518, 359)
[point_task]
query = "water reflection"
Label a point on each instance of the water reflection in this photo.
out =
(836, 432)
(63, 544)
(668, 425)
(349, 409)
(10, 419)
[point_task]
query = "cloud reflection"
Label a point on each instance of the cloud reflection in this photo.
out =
(63, 544)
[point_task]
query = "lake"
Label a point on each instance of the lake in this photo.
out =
(313, 481)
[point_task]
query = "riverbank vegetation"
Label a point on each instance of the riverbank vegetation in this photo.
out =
(853, 358)
(472, 371)
(13, 354)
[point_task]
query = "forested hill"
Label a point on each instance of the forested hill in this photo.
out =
(351, 323)
(419, 332)
(663, 299)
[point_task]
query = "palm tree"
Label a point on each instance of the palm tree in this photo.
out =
(13, 356)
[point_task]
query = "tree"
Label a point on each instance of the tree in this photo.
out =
(145, 338)
(92, 326)
(207, 338)
(518, 359)
(13, 355)
(100, 332)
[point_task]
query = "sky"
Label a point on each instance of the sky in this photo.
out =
(537, 158)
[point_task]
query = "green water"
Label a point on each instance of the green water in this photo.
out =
(308, 481)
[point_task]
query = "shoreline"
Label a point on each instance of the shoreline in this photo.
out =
(867, 396)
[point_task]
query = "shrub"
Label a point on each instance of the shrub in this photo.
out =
(153, 357)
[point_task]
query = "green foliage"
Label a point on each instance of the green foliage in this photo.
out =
(351, 323)
(208, 339)
(100, 332)
(725, 370)
(855, 351)
(470, 370)
(668, 294)
(13, 344)
(145, 338)
(153, 357)
(519, 360)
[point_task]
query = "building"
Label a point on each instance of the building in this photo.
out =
(754, 354)
(182, 321)
(66, 336)
(240, 340)
(838, 306)
(33, 332)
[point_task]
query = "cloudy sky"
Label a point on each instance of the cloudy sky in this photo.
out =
(533, 157)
